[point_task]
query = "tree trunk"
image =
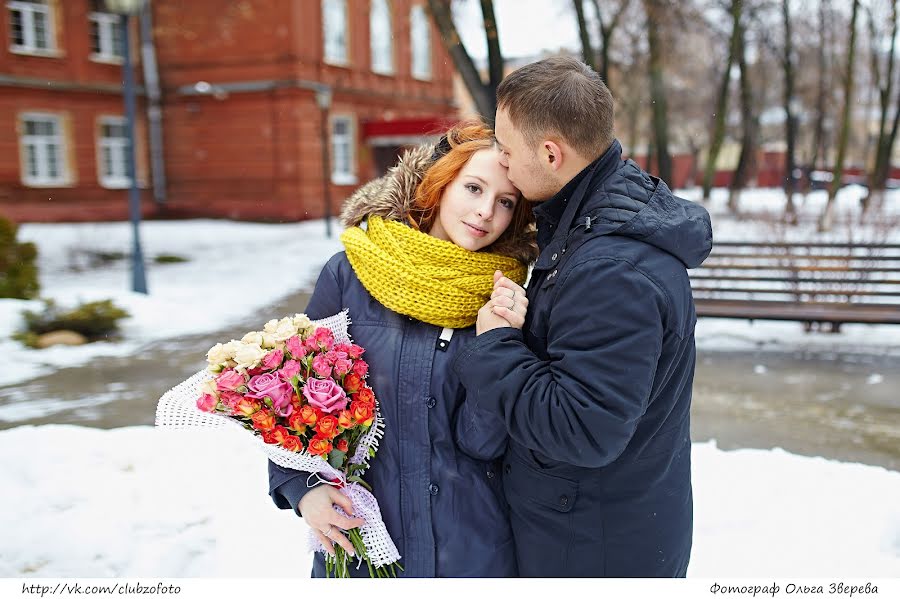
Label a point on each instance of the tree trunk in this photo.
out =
(825, 222)
(790, 119)
(606, 33)
(485, 98)
(749, 126)
(718, 134)
(821, 97)
(495, 56)
(885, 144)
(587, 50)
(655, 20)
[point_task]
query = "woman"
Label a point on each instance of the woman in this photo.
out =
(438, 227)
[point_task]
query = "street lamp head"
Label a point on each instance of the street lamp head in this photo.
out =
(125, 7)
(323, 98)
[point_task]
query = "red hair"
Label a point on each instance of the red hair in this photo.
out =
(464, 139)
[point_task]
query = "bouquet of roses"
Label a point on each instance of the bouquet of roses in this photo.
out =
(301, 390)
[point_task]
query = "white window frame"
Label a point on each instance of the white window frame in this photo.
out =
(107, 26)
(41, 145)
(381, 37)
(343, 174)
(420, 41)
(29, 12)
(335, 49)
(118, 149)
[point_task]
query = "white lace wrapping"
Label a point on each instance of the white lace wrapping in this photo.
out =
(177, 408)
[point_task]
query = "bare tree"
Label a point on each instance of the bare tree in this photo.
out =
(884, 82)
(587, 49)
(718, 130)
(483, 93)
(749, 124)
(825, 221)
(656, 18)
(790, 121)
(818, 140)
(599, 59)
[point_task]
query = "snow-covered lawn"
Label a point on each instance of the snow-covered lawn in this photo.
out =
(139, 501)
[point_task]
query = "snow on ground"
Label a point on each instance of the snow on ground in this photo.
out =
(138, 501)
(233, 269)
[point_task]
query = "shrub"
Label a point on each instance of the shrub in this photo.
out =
(170, 259)
(94, 320)
(18, 271)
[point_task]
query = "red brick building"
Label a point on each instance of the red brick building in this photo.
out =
(240, 131)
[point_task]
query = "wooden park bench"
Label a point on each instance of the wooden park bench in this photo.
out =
(813, 283)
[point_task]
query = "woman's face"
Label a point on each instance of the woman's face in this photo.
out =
(478, 205)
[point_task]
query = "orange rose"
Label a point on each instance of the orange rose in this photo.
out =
(342, 445)
(246, 407)
(269, 438)
(292, 443)
(365, 395)
(352, 383)
(327, 427)
(345, 419)
(295, 423)
(308, 415)
(363, 413)
(279, 433)
(319, 446)
(263, 420)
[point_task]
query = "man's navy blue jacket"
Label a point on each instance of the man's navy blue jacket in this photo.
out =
(596, 389)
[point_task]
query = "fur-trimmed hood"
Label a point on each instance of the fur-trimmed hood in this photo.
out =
(391, 197)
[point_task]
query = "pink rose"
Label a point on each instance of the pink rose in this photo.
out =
(272, 360)
(360, 368)
(229, 380)
(290, 369)
(355, 351)
(230, 398)
(342, 366)
(321, 366)
(325, 395)
(207, 403)
(324, 338)
(295, 347)
(270, 385)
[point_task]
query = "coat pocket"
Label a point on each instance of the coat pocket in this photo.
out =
(541, 515)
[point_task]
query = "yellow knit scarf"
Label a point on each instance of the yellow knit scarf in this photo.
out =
(421, 276)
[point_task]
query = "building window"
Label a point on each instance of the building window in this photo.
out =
(342, 155)
(43, 150)
(106, 34)
(112, 147)
(31, 26)
(420, 34)
(381, 35)
(334, 27)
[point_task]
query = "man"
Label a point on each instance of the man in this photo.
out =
(595, 390)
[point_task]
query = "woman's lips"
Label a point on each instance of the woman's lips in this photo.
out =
(475, 230)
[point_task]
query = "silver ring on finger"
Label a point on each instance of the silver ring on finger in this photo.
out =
(327, 532)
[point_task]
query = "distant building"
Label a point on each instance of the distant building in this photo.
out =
(239, 131)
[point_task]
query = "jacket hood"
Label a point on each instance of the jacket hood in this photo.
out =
(392, 198)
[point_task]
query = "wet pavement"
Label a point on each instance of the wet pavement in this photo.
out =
(844, 407)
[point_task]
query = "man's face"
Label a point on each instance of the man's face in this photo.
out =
(526, 171)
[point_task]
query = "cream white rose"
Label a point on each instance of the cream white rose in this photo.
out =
(253, 338)
(217, 354)
(301, 322)
(285, 330)
(269, 340)
(270, 326)
(248, 356)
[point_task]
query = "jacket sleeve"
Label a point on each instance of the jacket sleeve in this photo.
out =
(286, 486)
(604, 338)
(479, 429)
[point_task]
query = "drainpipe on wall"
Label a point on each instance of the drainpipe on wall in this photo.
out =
(154, 106)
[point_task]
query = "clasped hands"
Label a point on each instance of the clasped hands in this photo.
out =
(506, 308)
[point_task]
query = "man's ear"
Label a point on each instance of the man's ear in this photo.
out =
(552, 153)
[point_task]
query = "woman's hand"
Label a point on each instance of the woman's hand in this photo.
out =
(509, 301)
(317, 508)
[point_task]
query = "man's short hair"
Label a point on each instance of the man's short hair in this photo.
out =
(562, 96)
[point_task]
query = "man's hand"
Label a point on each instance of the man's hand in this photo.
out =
(317, 508)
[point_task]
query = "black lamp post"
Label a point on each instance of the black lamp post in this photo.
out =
(323, 99)
(125, 9)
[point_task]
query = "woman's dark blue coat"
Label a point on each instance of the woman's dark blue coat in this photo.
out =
(444, 510)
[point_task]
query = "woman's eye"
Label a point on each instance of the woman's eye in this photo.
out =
(507, 203)
(472, 188)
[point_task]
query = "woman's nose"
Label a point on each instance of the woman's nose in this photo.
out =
(485, 210)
